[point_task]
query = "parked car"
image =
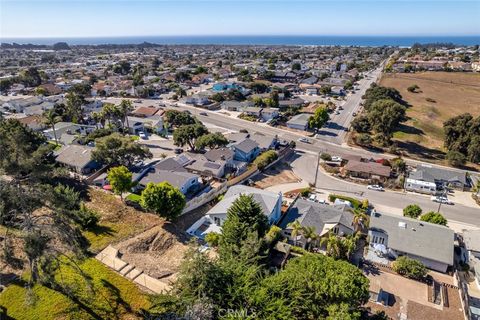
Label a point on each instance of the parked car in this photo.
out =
(178, 150)
(312, 198)
(375, 187)
(441, 199)
(336, 159)
(142, 135)
(304, 140)
(137, 101)
(203, 113)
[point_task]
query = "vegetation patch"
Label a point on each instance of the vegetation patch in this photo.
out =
(101, 293)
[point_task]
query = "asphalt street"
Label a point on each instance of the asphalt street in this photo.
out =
(336, 129)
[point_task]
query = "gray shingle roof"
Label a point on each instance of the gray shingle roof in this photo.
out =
(266, 199)
(75, 156)
(418, 238)
(472, 240)
(431, 174)
(175, 178)
(300, 119)
(246, 146)
(311, 214)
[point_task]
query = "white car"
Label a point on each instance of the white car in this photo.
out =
(142, 135)
(441, 199)
(304, 140)
(312, 198)
(375, 187)
(336, 159)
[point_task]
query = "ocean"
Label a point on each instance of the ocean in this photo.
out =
(402, 41)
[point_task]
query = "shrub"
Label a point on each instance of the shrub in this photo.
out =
(87, 218)
(431, 100)
(305, 192)
(265, 159)
(455, 158)
(363, 139)
(413, 88)
(434, 217)
(213, 239)
(409, 267)
(357, 204)
(274, 234)
(326, 157)
(412, 211)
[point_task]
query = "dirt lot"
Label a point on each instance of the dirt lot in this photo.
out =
(278, 174)
(449, 94)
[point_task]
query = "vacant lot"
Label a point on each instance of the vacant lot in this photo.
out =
(278, 174)
(441, 95)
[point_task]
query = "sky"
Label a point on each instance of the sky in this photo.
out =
(99, 18)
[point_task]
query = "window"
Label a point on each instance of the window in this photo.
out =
(335, 230)
(217, 221)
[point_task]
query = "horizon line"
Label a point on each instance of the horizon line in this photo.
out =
(241, 35)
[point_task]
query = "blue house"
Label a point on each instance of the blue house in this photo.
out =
(246, 150)
(225, 86)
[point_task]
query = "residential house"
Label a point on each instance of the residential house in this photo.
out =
(471, 239)
(429, 243)
(201, 165)
(146, 112)
(442, 177)
(137, 124)
(367, 170)
(232, 105)
(78, 158)
(67, 132)
(253, 111)
(267, 114)
(291, 103)
(198, 99)
(325, 218)
(299, 121)
(246, 150)
(337, 90)
(264, 142)
(185, 181)
(270, 202)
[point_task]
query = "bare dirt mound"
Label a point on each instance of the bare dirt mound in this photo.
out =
(157, 251)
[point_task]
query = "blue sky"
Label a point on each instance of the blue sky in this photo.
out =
(87, 18)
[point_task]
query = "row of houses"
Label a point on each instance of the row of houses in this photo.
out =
(390, 236)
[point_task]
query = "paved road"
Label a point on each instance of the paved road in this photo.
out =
(336, 129)
(388, 201)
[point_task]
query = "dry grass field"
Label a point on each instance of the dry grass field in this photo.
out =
(441, 95)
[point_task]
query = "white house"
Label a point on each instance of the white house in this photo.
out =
(270, 202)
(429, 243)
(471, 238)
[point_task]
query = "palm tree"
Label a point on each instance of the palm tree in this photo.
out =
(349, 244)
(125, 108)
(98, 117)
(50, 118)
(311, 235)
(333, 245)
(360, 220)
(296, 230)
(180, 92)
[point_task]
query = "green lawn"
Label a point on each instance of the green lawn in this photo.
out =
(109, 296)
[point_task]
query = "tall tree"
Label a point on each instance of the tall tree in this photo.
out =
(188, 135)
(244, 216)
(51, 118)
(115, 149)
(125, 107)
(319, 118)
(120, 178)
(163, 199)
